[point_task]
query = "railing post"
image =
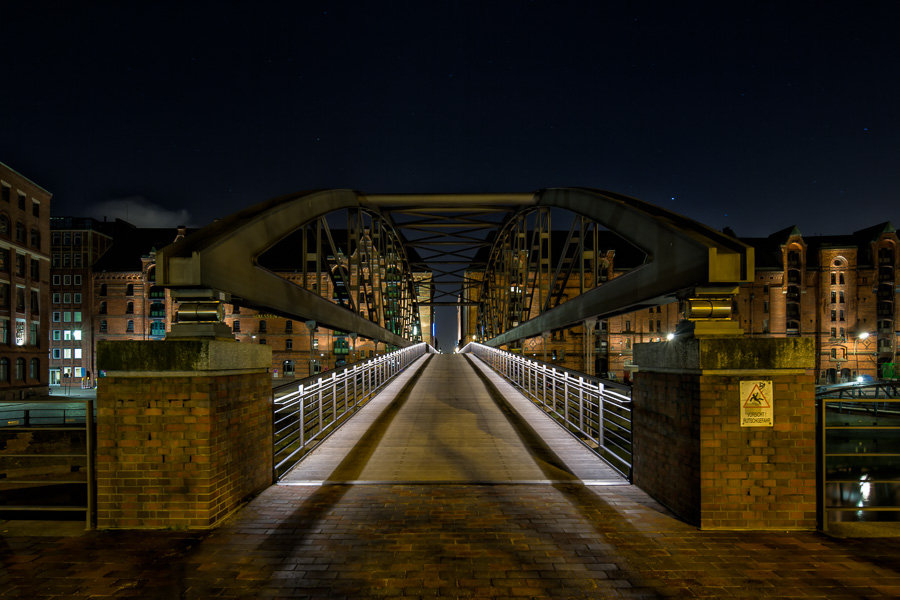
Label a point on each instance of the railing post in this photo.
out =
(302, 416)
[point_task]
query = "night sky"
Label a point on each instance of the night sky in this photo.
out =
(753, 115)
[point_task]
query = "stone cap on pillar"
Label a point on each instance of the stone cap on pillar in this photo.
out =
(723, 355)
(181, 356)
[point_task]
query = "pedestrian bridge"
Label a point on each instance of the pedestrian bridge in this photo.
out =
(451, 419)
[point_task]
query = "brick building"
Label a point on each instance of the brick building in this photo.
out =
(76, 244)
(126, 304)
(24, 284)
(839, 290)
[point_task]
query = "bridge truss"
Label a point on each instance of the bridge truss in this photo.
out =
(374, 265)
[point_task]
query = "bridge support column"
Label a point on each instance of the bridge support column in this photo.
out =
(184, 431)
(703, 445)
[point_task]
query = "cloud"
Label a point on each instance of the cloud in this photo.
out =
(139, 211)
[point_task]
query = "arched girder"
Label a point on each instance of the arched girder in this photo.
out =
(222, 261)
(681, 254)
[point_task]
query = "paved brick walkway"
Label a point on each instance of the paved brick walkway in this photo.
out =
(456, 541)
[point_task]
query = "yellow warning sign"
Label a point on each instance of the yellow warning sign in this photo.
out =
(757, 404)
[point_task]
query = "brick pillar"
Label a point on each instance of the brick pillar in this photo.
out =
(184, 431)
(691, 450)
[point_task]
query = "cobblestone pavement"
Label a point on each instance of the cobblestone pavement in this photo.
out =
(455, 541)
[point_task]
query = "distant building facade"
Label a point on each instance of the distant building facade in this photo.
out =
(24, 285)
(840, 290)
(75, 245)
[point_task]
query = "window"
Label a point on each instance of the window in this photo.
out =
(35, 369)
(67, 260)
(102, 289)
(67, 238)
(765, 326)
(67, 298)
(129, 290)
(77, 279)
(57, 335)
(833, 316)
(833, 296)
(842, 332)
(129, 327)
(841, 278)
(158, 328)
(834, 279)
(842, 315)
(6, 191)
(20, 369)
(67, 279)
(103, 325)
(4, 369)
(55, 260)
(288, 343)
(262, 327)
(67, 353)
(76, 335)
(77, 259)
(57, 316)
(841, 297)
(77, 299)
(35, 338)
(4, 259)
(35, 208)
(236, 327)
(20, 299)
(67, 334)
(833, 332)
(56, 280)
(21, 233)
(289, 327)
(103, 308)
(4, 331)
(35, 238)
(76, 352)
(21, 200)
(35, 302)
(35, 270)
(129, 308)
(67, 316)
(262, 341)
(56, 298)
(20, 265)
(77, 316)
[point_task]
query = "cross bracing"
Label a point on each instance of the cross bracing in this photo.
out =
(374, 265)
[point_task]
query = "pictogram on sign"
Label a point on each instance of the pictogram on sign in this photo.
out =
(757, 405)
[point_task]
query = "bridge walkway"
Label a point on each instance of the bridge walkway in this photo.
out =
(444, 492)
(452, 420)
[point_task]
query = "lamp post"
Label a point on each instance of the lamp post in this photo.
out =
(862, 336)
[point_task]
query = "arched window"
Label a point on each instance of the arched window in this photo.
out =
(102, 289)
(4, 370)
(35, 238)
(20, 369)
(129, 326)
(21, 233)
(103, 308)
(129, 290)
(4, 225)
(35, 370)
(129, 308)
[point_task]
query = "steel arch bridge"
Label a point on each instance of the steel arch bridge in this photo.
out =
(372, 265)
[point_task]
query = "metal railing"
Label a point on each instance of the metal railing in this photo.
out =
(584, 405)
(304, 418)
(47, 457)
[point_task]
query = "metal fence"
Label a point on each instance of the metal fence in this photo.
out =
(321, 404)
(47, 457)
(586, 406)
(860, 455)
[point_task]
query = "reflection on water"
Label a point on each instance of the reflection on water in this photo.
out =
(862, 461)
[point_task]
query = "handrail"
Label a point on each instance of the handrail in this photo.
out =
(303, 419)
(584, 405)
(41, 452)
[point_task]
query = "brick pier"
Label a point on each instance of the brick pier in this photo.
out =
(691, 451)
(184, 431)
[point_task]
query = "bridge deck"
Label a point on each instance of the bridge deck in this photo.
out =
(451, 420)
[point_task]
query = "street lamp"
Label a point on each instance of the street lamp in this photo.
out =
(862, 336)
